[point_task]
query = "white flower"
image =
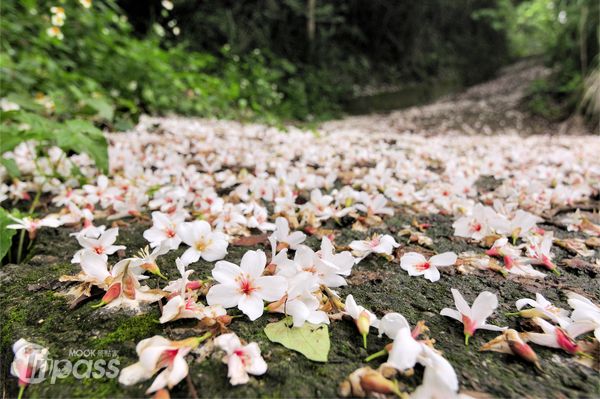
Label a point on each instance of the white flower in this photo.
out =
(184, 306)
(244, 286)
(362, 317)
(342, 263)
(32, 225)
(202, 241)
(439, 379)
(477, 225)
(103, 245)
(552, 337)
(474, 317)
(241, 359)
(379, 244)
(300, 302)
(417, 265)
(374, 205)
(158, 353)
(585, 316)
(147, 260)
(282, 235)
(164, 228)
(541, 307)
(305, 259)
(29, 359)
(538, 251)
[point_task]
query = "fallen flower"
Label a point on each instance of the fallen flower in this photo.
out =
(474, 317)
(362, 317)
(103, 245)
(541, 307)
(552, 337)
(164, 229)
(417, 265)
(244, 286)
(379, 244)
(32, 225)
(241, 359)
(281, 237)
(29, 359)
(203, 242)
(158, 353)
(510, 342)
(538, 250)
(585, 316)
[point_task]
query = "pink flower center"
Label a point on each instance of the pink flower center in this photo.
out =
(423, 266)
(246, 287)
(166, 358)
(99, 250)
(242, 355)
(469, 325)
(170, 233)
(476, 226)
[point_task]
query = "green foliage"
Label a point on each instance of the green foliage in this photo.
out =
(567, 35)
(7, 234)
(100, 71)
(72, 135)
(310, 340)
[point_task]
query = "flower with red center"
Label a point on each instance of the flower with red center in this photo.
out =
(30, 359)
(240, 359)
(417, 265)
(158, 353)
(553, 337)
(473, 317)
(244, 286)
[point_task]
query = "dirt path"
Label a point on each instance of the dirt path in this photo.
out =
(490, 108)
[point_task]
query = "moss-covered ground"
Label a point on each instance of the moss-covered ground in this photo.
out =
(32, 307)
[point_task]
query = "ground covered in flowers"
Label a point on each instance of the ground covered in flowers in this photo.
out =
(519, 216)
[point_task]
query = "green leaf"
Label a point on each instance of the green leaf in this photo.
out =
(82, 136)
(11, 167)
(7, 234)
(310, 340)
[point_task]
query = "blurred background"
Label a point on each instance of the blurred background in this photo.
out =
(276, 61)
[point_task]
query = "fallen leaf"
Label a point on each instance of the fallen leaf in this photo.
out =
(310, 340)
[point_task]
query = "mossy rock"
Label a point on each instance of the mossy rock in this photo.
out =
(32, 307)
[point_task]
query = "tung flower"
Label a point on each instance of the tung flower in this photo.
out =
(244, 286)
(473, 317)
(241, 359)
(417, 265)
(203, 242)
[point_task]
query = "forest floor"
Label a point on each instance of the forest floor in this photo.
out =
(32, 306)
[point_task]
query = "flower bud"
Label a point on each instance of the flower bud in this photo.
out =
(373, 381)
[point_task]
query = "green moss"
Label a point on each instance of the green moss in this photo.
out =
(131, 329)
